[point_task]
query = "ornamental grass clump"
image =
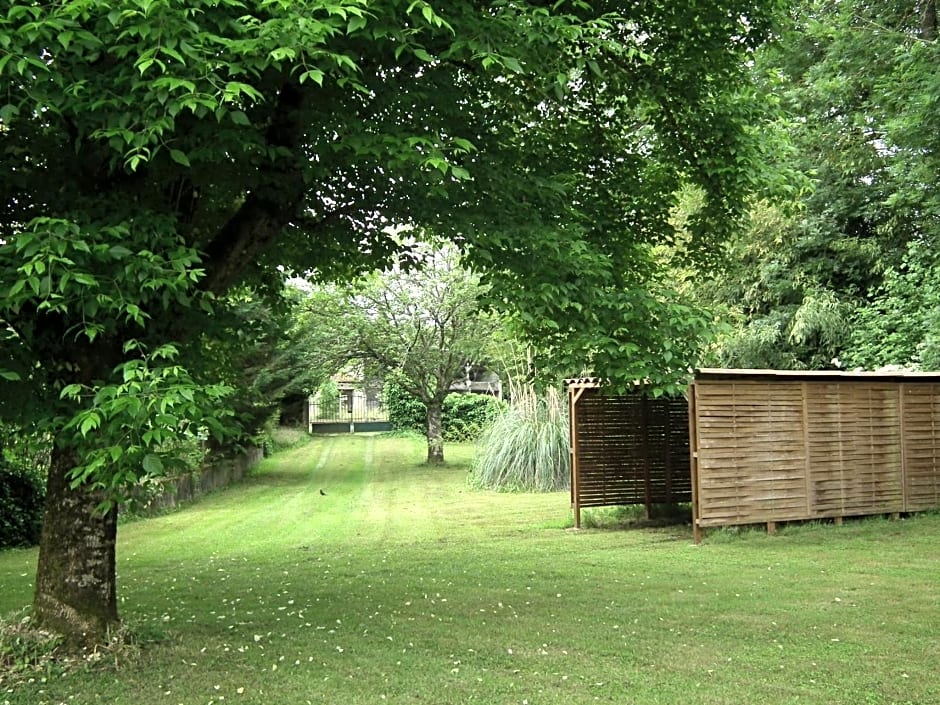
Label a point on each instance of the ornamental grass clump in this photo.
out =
(526, 447)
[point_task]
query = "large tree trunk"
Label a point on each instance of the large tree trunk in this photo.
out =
(435, 434)
(75, 579)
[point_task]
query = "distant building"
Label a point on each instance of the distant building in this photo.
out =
(352, 399)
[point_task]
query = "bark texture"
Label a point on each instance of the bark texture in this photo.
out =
(75, 580)
(928, 21)
(435, 433)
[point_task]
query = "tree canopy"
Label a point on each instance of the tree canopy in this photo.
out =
(157, 153)
(845, 272)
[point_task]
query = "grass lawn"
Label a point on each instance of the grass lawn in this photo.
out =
(402, 585)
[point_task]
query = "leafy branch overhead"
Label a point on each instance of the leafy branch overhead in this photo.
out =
(159, 155)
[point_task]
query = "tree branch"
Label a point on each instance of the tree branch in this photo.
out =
(268, 209)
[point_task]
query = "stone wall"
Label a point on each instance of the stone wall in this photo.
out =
(170, 492)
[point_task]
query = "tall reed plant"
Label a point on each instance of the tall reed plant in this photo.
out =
(525, 448)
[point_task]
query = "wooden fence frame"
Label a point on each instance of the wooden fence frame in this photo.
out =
(770, 446)
(639, 455)
(766, 446)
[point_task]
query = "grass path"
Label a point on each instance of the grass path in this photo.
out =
(402, 585)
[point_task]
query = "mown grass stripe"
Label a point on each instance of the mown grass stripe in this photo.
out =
(403, 585)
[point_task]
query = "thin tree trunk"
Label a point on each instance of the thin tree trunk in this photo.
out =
(435, 434)
(928, 21)
(75, 580)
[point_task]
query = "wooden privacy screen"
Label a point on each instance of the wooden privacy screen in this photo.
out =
(627, 449)
(774, 446)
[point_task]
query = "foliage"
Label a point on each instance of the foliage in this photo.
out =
(405, 411)
(266, 349)
(787, 291)
(252, 347)
(21, 505)
(467, 415)
(464, 416)
(133, 427)
(857, 88)
(526, 448)
(190, 455)
(328, 395)
(899, 327)
(199, 146)
(25, 451)
(24, 460)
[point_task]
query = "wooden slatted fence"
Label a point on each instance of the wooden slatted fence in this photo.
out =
(774, 446)
(762, 446)
(627, 449)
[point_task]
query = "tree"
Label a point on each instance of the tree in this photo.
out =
(858, 92)
(157, 154)
(261, 354)
(419, 325)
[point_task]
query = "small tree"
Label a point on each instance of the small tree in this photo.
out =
(419, 323)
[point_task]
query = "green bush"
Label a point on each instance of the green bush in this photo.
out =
(405, 412)
(464, 415)
(22, 495)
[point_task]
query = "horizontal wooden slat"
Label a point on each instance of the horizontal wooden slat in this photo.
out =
(803, 447)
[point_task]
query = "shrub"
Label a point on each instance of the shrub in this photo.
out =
(527, 446)
(467, 415)
(464, 416)
(22, 495)
(405, 412)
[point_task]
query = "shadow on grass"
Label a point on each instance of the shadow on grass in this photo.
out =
(635, 517)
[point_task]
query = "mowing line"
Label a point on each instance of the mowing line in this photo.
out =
(369, 452)
(326, 453)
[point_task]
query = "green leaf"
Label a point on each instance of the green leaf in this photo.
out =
(180, 157)
(152, 464)
(315, 75)
(89, 423)
(423, 54)
(71, 391)
(512, 64)
(355, 24)
(239, 118)
(119, 251)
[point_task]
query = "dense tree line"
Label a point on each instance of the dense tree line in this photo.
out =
(841, 268)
